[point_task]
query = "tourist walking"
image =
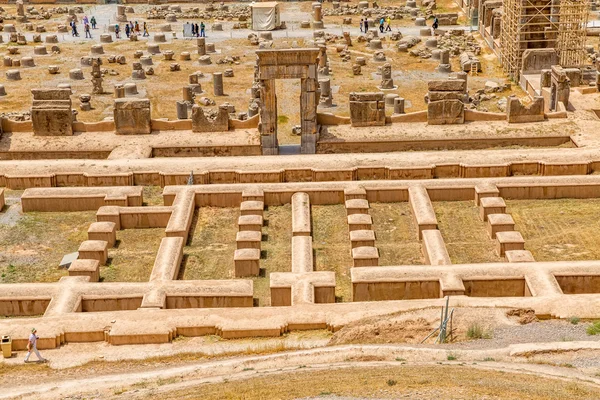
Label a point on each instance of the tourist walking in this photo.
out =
(381, 22)
(137, 28)
(85, 20)
(197, 30)
(127, 30)
(193, 30)
(388, 22)
(86, 28)
(366, 25)
(32, 347)
(434, 25)
(362, 22)
(117, 31)
(202, 27)
(93, 22)
(145, 30)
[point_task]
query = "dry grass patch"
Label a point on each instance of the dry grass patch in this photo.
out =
(153, 196)
(396, 234)
(133, 259)
(31, 250)
(210, 253)
(277, 248)
(423, 382)
(331, 246)
(465, 235)
(558, 230)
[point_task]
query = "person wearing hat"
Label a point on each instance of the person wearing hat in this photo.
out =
(32, 347)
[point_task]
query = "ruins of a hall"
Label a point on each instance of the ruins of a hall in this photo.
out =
(285, 171)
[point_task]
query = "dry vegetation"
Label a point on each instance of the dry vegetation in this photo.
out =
(277, 249)
(396, 234)
(558, 230)
(466, 239)
(132, 260)
(209, 254)
(331, 246)
(31, 250)
(410, 381)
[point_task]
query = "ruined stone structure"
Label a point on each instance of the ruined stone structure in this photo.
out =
(51, 112)
(288, 64)
(446, 102)
(367, 109)
(132, 116)
(200, 123)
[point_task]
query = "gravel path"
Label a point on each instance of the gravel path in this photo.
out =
(535, 332)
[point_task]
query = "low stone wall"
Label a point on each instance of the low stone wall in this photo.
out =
(53, 155)
(207, 151)
(386, 146)
(79, 199)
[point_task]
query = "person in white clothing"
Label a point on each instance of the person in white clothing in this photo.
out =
(32, 347)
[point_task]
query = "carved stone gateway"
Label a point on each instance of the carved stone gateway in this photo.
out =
(288, 64)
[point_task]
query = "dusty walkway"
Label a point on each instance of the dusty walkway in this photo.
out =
(181, 377)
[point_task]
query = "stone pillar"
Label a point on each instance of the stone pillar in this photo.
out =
(119, 91)
(308, 112)
(398, 105)
(201, 43)
(218, 83)
(268, 117)
(182, 109)
(325, 98)
(188, 95)
(386, 77)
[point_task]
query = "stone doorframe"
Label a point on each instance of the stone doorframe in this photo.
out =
(288, 64)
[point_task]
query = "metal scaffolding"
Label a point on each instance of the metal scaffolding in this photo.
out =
(540, 24)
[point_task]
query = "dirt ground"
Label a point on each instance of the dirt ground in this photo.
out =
(557, 230)
(423, 382)
(464, 233)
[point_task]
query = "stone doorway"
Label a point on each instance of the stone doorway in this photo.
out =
(288, 64)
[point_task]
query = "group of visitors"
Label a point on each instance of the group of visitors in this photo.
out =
(385, 24)
(198, 31)
(132, 28)
(86, 27)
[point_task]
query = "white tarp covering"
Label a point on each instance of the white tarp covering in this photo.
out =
(187, 29)
(265, 16)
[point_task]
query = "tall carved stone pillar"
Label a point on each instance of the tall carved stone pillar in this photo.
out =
(308, 112)
(268, 117)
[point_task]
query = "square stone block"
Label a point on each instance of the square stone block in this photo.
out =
(252, 207)
(250, 223)
(357, 206)
(248, 240)
(507, 241)
(485, 191)
(106, 231)
(514, 256)
(253, 194)
(89, 268)
(359, 222)
(109, 214)
(491, 205)
(362, 238)
(355, 193)
(367, 256)
(247, 262)
(94, 250)
(499, 223)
